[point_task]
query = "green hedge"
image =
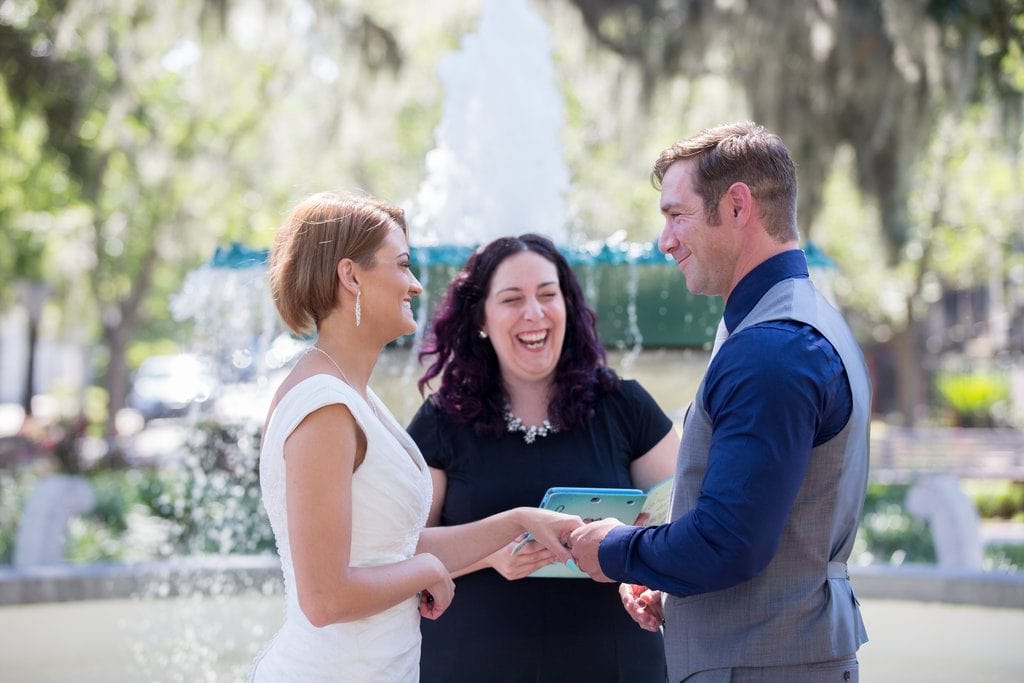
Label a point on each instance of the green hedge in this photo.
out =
(974, 397)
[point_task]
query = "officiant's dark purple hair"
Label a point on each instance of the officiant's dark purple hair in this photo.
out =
(471, 384)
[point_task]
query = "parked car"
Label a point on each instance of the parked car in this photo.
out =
(172, 385)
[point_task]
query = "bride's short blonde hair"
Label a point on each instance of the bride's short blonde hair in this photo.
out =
(320, 231)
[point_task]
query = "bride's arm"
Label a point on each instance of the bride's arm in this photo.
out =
(320, 457)
(508, 562)
(468, 547)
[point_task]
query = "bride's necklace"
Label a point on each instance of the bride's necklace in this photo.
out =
(530, 434)
(345, 377)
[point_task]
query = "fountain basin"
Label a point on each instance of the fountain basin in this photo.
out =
(639, 294)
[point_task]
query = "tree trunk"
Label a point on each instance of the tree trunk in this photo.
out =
(33, 294)
(909, 372)
(116, 379)
(120, 322)
(30, 365)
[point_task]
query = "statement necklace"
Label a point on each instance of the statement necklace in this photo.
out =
(530, 434)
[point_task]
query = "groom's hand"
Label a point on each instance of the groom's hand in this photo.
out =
(644, 605)
(583, 545)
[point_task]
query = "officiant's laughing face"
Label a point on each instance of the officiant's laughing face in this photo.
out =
(524, 316)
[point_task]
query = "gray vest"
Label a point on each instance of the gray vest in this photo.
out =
(801, 609)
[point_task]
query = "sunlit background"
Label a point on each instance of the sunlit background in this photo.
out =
(149, 150)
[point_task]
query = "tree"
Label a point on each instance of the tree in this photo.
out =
(36, 182)
(967, 218)
(881, 78)
(125, 137)
(160, 117)
(872, 75)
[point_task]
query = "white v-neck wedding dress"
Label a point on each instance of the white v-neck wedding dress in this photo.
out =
(391, 493)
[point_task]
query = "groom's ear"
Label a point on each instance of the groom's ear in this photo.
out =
(739, 202)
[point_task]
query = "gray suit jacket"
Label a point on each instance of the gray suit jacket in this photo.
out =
(801, 609)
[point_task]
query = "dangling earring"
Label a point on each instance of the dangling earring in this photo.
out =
(359, 308)
(483, 335)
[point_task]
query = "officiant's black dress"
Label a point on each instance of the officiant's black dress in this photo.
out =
(537, 629)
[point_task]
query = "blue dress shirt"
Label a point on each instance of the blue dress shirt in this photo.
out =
(773, 392)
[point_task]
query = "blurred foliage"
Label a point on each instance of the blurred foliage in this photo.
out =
(212, 502)
(143, 135)
(874, 76)
(15, 485)
(968, 219)
(160, 345)
(967, 236)
(1004, 557)
(35, 182)
(207, 504)
(887, 533)
(973, 396)
(997, 499)
(103, 534)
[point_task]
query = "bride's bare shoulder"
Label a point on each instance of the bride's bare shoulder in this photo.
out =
(301, 372)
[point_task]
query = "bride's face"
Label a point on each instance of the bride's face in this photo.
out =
(388, 289)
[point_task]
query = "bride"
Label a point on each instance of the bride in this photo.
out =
(346, 489)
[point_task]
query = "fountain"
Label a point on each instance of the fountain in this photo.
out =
(497, 169)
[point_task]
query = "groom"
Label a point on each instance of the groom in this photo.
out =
(772, 468)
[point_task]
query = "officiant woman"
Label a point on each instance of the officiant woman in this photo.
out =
(525, 401)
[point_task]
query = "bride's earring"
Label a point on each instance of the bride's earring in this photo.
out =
(359, 307)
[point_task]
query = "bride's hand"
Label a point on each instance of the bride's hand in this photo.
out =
(550, 529)
(435, 598)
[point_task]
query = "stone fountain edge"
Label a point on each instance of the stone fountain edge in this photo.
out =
(227, 575)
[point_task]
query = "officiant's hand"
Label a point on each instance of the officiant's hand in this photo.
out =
(583, 545)
(520, 558)
(643, 604)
